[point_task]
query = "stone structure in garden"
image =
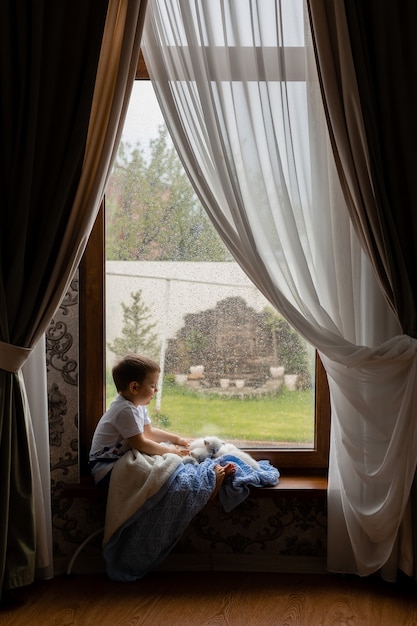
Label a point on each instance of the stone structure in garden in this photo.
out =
(231, 340)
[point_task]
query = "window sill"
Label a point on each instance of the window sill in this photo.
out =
(294, 487)
(288, 487)
(86, 488)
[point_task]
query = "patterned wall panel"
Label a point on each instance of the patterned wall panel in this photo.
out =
(73, 520)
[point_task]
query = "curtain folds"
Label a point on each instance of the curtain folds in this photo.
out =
(238, 87)
(370, 103)
(66, 71)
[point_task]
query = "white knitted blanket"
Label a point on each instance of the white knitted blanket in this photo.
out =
(135, 478)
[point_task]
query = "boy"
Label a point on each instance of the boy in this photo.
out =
(127, 424)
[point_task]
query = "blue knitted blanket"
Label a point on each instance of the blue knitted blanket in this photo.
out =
(144, 539)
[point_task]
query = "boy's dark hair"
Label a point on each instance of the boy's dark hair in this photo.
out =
(132, 368)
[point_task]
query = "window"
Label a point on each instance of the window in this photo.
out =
(92, 376)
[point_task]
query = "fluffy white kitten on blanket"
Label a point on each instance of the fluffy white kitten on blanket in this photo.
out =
(198, 452)
(213, 447)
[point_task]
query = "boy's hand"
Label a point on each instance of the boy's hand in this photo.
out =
(182, 442)
(181, 452)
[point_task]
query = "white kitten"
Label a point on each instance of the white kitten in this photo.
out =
(216, 447)
(198, 450)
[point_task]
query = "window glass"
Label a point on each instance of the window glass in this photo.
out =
(231, 365)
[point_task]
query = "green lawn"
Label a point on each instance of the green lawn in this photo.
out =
(286, 417)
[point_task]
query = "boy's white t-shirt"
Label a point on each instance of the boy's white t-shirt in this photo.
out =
(122, 420)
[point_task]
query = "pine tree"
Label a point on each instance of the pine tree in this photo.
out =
(137, 333)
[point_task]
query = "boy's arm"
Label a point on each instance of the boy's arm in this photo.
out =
(147, 446)
(158, 435)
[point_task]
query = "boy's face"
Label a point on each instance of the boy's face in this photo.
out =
(145, 391)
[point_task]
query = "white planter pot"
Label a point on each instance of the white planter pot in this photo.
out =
(290, 381)
(181, 379)
(224, 383)
(239, 383)
(276, 372)
(197, 369)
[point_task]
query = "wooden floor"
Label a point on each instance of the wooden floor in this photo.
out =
(212, 599)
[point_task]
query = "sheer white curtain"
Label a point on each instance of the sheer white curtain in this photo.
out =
(34, 386)
(237, 85)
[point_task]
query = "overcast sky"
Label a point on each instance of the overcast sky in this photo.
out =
(144, 115)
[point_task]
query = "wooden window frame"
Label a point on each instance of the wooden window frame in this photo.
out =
(92, 376)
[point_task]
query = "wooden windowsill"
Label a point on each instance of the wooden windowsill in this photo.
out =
(288, 486)
(86, 488)
(294, 487)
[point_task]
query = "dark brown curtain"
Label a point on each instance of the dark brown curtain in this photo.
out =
(384, 50)
(366, 55)
(49, 53)
(370, 93)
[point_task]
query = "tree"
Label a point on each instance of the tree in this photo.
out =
(152, 211)
(137, 335)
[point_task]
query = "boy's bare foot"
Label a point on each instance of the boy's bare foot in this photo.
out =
(229, 469)
(220, 476)
(221, 472)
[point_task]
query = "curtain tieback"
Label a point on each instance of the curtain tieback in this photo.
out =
(12, 358)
